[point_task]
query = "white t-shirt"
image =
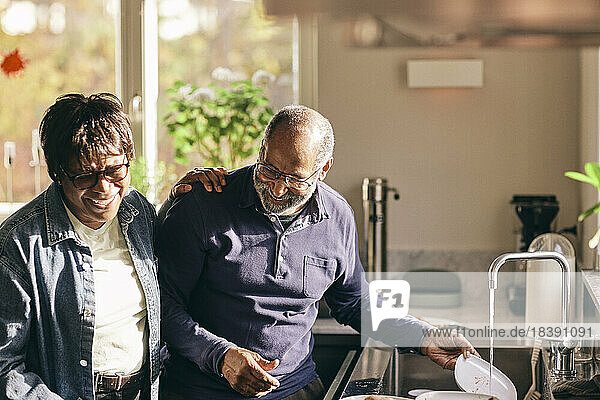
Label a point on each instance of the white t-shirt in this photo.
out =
(120, 332)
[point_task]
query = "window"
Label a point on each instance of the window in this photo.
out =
(74, 46)
(201, 41)
(70, 47)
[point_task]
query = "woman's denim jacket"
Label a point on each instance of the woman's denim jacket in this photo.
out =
(47, 298)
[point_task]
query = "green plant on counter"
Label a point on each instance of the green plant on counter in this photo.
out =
(222, 124)
(164, 177)
(591, 176)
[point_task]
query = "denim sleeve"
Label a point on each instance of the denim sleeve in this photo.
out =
(348, 299)
(15, 322)
(181, 250)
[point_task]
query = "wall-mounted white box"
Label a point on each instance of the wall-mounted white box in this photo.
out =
(444, 73)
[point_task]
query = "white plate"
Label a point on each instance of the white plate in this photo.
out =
(473, 375)
(417, 392)
(451, 395)
(364, 396)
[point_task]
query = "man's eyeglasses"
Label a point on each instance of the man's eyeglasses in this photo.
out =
(86, 180)
(273, 174)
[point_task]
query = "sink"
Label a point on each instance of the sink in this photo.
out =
(418, 372)
(373, 371)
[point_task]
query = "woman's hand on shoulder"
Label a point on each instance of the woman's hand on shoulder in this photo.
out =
(211, 178)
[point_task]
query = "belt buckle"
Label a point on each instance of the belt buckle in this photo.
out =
(108, 382)
(119, 382)
(96, 381)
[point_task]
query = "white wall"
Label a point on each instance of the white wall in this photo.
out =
(456, 155)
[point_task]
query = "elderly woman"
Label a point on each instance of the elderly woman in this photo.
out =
(79, 303)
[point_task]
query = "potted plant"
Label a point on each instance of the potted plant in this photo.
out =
(220, 123)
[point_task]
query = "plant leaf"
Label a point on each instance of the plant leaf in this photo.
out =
(593, 171)
(578, 176)
(593, 210)
(593, 243)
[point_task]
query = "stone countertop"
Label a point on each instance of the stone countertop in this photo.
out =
(474, 307)
(329, 326)
(591, 280)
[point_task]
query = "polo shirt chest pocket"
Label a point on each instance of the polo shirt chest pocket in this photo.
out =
(318, 275)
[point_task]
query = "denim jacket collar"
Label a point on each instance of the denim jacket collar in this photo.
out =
(58, 226)
(248, 198)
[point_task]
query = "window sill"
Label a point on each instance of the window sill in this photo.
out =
(7, 209)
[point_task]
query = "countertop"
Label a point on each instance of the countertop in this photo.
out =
(473, 308)
(591, 279)
(329, 326)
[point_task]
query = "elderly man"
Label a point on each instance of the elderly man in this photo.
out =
(79, 303)
(242, 272)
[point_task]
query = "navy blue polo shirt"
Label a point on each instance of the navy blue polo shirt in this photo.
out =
(231, 275)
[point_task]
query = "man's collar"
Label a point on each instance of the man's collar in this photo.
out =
(318, 196)
(248, 196)
(316, 206)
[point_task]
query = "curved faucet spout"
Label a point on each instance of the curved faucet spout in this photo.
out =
(538, 255)
(563, 360)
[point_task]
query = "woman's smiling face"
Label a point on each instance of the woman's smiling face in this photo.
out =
(98, 204)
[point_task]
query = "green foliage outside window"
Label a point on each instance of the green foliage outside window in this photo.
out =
(222, 124)
(164, 177)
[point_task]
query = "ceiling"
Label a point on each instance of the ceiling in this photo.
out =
(477, 23)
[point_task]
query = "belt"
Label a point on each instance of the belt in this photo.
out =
(114, 382)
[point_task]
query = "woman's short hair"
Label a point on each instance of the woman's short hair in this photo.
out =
(87, 129)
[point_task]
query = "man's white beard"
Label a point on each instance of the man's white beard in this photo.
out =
(289, 201)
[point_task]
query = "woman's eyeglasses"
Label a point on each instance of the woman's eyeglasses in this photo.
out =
(86, 180)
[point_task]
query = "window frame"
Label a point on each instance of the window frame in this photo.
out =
(137, 77)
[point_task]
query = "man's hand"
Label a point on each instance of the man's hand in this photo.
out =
(213, 177)
(445, 350)
(245, 371)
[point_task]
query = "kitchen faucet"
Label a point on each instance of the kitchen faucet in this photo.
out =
(563, 366)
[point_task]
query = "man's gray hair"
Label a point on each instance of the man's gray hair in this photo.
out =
(297, 119)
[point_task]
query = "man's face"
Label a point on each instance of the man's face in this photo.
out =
(98, 204)
(295, 159)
